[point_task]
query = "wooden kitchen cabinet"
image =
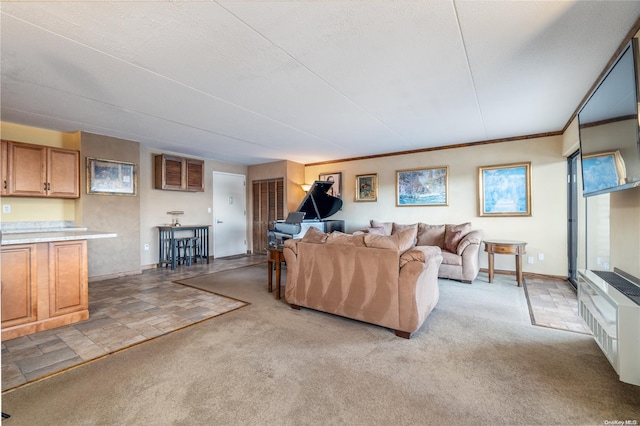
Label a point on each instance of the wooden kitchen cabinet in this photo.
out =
(19, 285)
(68, 277)
(3, 168)
(178, 173)
(41, 171)
(44, 286)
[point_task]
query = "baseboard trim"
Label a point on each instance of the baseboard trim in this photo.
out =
(527, 274)
(116, 275)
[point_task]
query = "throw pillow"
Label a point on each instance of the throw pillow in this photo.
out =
(388, 226)
(377, 231)
(453, 234)
(397, 228)
(430, 235)
(343, 239)
(315, 236)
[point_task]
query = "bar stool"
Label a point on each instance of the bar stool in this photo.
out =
(195, 248)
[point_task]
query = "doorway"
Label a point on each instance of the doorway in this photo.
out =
(229, 214)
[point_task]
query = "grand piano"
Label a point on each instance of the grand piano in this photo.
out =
(313, 211)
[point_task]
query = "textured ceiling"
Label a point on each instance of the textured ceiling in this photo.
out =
(256, 81)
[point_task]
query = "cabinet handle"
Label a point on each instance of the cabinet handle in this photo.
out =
(48, 186)
(44, 186)
(5, 184)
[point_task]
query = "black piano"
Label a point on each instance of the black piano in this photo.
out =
(313, 211)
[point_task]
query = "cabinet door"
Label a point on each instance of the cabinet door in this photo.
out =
(63, 173)
(5, 173)
(168, 173)
(27, 170)
(195, 175)
(68, 280)
(19, 285)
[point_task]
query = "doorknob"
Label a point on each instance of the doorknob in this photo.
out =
(218, 221)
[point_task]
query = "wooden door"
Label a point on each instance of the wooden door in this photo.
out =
(19, 285)
(268, 206)
(63, 173)
(68, 277)
(27, 170)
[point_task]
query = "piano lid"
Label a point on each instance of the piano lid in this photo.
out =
(317, 204)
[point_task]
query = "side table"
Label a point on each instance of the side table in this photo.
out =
(276, 256)
(516, 248)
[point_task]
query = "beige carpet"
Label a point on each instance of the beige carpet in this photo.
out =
(476, 360)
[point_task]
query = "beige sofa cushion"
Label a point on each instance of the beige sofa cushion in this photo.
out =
(401, 241)
(339, 238)
(430, 235)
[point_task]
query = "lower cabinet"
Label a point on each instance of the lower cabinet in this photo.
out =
(44, 286)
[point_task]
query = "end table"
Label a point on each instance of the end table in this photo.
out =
(276, 255)
(516, 248)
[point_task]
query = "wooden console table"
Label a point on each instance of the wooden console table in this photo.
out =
(276, 256)
(516, 248)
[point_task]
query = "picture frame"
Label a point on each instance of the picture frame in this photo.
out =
(111, 177)
(367, 187)
(505, 190)
(602, 170)
(427, 186)
(336, 178)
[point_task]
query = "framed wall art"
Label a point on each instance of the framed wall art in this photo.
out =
(505, 190)
(110, 177)
(422, 187)
(336, 178)
(367, 187)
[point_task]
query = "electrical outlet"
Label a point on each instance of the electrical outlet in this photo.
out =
(146, 247)
(6, 208)
(530, 259)
(540, 256)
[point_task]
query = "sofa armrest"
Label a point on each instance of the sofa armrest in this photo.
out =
(473, 238)
(419, 254)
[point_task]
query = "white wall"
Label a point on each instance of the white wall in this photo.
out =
(545, 231)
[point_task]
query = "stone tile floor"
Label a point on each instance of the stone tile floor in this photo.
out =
(554, 304)
(123, 312)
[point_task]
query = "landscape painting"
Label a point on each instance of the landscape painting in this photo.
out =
(422, 187)
(505, 190)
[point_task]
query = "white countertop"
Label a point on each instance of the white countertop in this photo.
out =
(54, 235)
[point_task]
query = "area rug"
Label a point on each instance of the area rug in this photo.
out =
(124, 312)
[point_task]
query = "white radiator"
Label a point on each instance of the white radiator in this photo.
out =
(614, 320)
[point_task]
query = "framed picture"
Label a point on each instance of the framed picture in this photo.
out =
(111, 177)
(602, 170)
(367, 187)
(336, 178)
(422, 187)
(505, 190)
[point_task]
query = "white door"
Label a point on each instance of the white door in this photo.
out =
(229, 214)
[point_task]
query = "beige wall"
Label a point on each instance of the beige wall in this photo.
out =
(545, 231)
(155, 203)
(115, 213)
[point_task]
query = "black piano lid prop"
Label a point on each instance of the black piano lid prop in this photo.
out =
(317, 204)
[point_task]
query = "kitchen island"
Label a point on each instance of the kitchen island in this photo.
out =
(44, 279)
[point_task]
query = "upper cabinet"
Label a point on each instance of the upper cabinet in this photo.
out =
(179, 173)
(40, 171)
(5, 172)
